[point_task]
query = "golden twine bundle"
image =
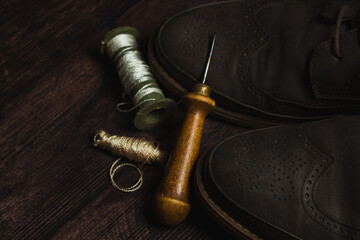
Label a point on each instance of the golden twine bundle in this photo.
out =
(139, 150)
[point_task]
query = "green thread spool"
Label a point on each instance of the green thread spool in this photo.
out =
(121, 46)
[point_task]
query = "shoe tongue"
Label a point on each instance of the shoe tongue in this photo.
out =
(333, 78)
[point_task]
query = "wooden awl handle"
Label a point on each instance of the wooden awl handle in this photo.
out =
(171, 201)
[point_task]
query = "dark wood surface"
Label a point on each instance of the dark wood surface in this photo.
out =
(56, 90)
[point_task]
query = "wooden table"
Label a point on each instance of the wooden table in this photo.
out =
(56, 90)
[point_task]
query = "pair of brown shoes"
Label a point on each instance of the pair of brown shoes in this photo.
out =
(275, 62)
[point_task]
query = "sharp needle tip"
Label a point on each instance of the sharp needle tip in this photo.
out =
(209, 59)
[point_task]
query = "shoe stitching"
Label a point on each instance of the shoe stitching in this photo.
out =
(318, 168)
(312, 112)
(322, 163)
(259, 40)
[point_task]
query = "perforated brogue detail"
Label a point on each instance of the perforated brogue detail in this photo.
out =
(323, 161)
(279, 168)
(246, 73)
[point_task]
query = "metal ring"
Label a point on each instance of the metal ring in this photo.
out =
(134, 187)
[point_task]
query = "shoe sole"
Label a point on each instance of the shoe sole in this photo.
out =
(215, 211)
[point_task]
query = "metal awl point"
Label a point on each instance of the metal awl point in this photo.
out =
(209, 59)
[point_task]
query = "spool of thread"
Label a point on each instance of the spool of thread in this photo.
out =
(121, 46)
(139, 150)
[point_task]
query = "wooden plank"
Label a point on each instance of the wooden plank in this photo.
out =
(56, 91)
(40, 36)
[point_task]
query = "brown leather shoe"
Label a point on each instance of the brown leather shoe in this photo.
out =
(273, 60)
(290, 182)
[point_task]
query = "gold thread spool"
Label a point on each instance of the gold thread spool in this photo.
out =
(120, 45)
(139, 150)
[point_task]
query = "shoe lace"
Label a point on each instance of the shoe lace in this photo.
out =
(336, 43)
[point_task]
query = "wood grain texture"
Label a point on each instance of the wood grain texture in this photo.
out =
(171, 201)
(55, 92)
